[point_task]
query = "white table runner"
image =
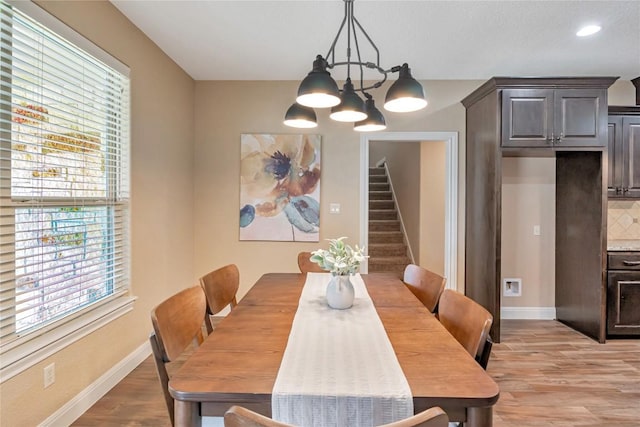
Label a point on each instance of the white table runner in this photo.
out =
(339, 368)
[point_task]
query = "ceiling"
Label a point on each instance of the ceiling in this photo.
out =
(278, 40)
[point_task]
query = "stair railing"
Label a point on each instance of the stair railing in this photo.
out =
(395, 203)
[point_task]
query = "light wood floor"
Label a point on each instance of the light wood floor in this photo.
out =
(549, 375)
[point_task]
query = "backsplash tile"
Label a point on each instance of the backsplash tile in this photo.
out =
(623, 220)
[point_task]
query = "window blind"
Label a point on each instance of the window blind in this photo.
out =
(64, 180)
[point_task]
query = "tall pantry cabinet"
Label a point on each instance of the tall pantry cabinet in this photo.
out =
(565, 118)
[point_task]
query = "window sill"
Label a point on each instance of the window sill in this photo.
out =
(24, 356)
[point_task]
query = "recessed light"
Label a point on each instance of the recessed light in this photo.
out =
(588, 30)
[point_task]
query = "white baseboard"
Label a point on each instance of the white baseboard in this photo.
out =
(73, 409)
(530, 313)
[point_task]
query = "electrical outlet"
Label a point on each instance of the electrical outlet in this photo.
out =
(49, 375)
(536, 230)
(334, 208)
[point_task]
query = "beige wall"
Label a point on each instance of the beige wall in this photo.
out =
(528, 199)
(226, 109)
(622, 92)
(162, 211)
(403, 162)
(432, 205)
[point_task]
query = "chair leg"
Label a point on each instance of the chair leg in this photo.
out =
(163, 375)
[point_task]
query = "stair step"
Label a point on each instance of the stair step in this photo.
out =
(387, 249)
(377, 178)
(379, 186)
(384, 225)
(382, 214)
(376, 171)
(394, 264)
(385, 237)
(381, 204)
(380, 195)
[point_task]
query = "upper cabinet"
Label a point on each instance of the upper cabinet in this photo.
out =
(624, 153)
(554, 118)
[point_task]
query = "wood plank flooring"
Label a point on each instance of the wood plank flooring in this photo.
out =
(549, 375)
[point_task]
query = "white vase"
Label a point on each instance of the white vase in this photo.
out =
(340, 292)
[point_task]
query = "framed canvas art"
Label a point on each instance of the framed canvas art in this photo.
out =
(280, 187)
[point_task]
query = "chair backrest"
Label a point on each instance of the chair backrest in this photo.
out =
(177, 322)
(220, 287)
(483, 358)
(306, 266)
(425, 285)
(466, 320)
(237, 416)
(432, 417)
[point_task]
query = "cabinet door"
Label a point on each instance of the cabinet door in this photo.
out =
(623, 299)
(580, 118)
(615, 156)
(631, 159)
(527, 118)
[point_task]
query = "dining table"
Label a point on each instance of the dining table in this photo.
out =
(238, 363)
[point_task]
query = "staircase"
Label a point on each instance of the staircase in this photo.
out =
(387, 249)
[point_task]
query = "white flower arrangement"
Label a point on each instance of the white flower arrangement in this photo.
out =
(341, 259)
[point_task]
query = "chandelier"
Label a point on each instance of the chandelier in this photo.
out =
(319, 90)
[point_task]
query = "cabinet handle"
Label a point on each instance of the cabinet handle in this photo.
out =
(625, 190)
(631, 262)
(550, 139)
(618, 190)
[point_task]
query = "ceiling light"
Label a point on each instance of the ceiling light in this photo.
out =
(406, 94)
(299, 116)
(319, 90)
(374, 121)
(351, 107)
(588, 30)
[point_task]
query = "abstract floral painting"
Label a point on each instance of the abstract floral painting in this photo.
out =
(280, 187)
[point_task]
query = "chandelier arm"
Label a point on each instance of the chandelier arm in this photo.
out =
(359, 63)
(373, 45)
(371, 66)
(332, 49)
(349, 28)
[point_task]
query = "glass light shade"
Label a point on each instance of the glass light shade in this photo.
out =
(405, 94)
(318, 89)
(351, 107)
(374, 121)
(299, 116)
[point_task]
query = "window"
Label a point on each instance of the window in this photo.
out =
(64, 184)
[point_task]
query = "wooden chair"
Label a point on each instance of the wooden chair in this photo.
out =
(220, 287)
(483, 358)
(238, 416)
(306, 266)
(177, 322)
(432, 417)
(466, 320)
(426, 285)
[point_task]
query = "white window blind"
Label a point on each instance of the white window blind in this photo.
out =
(64, 180)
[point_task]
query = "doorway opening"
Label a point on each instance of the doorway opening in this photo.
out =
(451, 218)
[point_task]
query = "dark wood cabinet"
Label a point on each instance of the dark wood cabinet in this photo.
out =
(517, 117)
(553, 118)
(624, 153)
(623, 293)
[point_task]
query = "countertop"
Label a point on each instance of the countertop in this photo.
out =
(623, 245)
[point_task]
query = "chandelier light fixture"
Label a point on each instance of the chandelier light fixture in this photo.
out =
(319, 90)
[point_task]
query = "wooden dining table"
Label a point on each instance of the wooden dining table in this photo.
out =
(238, 363)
